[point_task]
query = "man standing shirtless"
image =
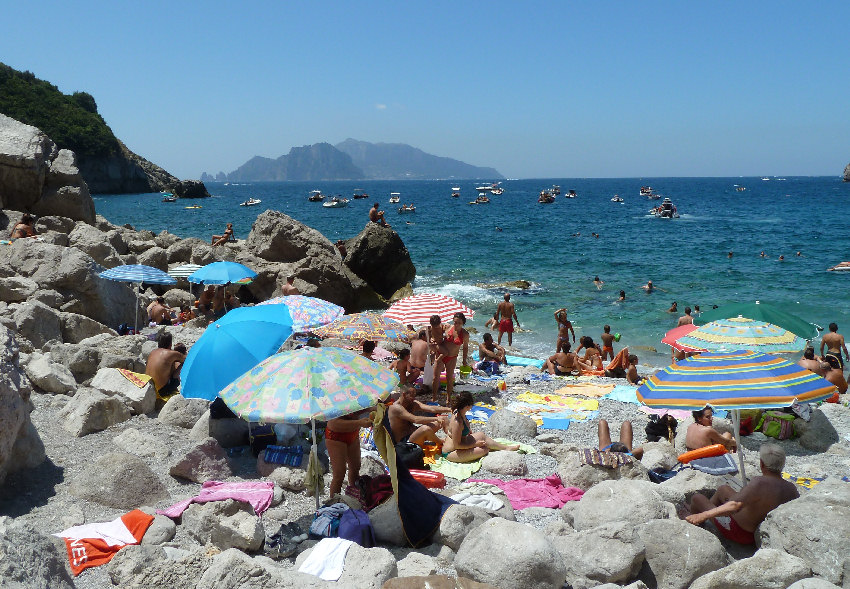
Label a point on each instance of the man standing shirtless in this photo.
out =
(507, 312)
(607, 343)
(686, 319)
(737, 515)
(164, 365)
(289, 288)
(834, 343)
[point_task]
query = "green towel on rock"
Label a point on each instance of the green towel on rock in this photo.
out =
(457, 470)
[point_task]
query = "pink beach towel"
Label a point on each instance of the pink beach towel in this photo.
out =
(548, 492)
(257, 494)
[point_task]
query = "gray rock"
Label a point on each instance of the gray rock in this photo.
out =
(165, 239)
(686, 484)
(149, 566)
(585, 476)
(434, 582)
(611, 553)
(224, 524)
(154, 257)
(510, 425)
(135, 442)
(814, 527)
(177, 297)
(49, 376)
(14, 289)
(378, 256)
(206, 461)
(369, 568)
(180, 252)
(90, 411)
(635, 502)
(503, 462)
(821, 432)
(91, 240)
(678, 553)
(289, 477)
(80, 359)
(139, 245)
(229, 432)
(161, 530)
(182, 412)
(812, 583)
(234, 569)
(118, 480)
(659, 455)
(30, 559)
(38, 323)
(76, 328)
(766, 569)
(510, 555)
(416, 564)
(112, 383)
(456, 524)
(387, 524)
(28, 450)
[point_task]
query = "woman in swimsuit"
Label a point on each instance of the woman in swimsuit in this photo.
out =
(461, 445)
(342, 438)
(447, 352)
(23, 229)
(564, 329)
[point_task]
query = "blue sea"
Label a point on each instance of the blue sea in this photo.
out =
(460, 248)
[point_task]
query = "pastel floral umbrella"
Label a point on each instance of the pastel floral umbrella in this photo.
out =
(307, 384)
(308, 312)
(366, 326)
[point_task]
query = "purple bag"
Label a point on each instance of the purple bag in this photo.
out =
(354, 525)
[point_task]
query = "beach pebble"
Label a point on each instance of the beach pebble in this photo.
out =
(678, 553)
(766, 569)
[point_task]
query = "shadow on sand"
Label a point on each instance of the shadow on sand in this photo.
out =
(27, 489)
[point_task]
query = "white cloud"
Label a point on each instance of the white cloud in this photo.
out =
(380, 106)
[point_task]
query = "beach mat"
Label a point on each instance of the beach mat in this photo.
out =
(560, 423)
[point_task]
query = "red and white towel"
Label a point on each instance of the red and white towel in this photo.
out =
(92, 545)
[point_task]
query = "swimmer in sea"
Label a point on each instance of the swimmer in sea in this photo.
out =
(781, 258)
(622, 296)
(598, 283)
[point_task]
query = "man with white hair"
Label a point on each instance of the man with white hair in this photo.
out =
(738, 514)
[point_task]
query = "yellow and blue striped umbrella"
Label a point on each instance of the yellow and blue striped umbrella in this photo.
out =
(733, 380)
(742, 333)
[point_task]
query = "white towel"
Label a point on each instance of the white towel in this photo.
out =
(487, 502)
(428, 371)
(327, 559)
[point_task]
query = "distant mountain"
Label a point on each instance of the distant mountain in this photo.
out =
(320, 161)
(398, 161)
(355, 160)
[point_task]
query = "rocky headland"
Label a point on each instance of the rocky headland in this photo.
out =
(80, 443)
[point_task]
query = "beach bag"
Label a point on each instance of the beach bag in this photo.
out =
(260, 437)
(354, 525)
(371, 491)
(410, 455)
(659, 475)
(776, 424)
(661, 428)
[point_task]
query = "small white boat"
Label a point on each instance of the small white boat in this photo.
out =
(168, 197)
(766, 179)
(570, 193)
(335, 203)
(395, 197)
(617, 198)
(406, 209)
(666, 210)
(842, 267)
(359, 193)
(250, 202)
(556, 190)
(496, 189)
(456, 192)
(316, 196)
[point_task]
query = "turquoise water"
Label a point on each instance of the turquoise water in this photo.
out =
(457, 247)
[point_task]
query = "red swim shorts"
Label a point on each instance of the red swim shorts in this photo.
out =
(732, 531)
(345, 438)
(506, 326)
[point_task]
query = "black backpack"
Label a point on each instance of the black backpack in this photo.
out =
(410, 455)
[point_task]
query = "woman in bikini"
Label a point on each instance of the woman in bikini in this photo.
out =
(23, 229)
(447, 351)
(343, 443)
(461, 445)
(564, 329)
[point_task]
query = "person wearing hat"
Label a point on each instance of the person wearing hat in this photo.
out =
(738, 514)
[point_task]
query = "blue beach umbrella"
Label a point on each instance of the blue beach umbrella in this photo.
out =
(137, 273)
(232, 346)
(733, 380)
(221, 273)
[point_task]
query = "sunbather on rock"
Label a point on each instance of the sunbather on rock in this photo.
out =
(462, 445)
(700, 433)
(738, 514)
(625, 443)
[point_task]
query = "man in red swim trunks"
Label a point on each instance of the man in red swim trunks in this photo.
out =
(507, 312)
(737, 515)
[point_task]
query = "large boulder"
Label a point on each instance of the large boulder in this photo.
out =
(182, 412)
(507, 463)
(510, 555)
(634, 502)
(206, 461)
(91, 240)
(378, 256)
(821, 431)
(677, 553)
(15, 392)
(766, 569)
(150, 566)
(49, 376)
(509, 424)
(687, 483)
(433, 582)
(14, 289)
(611, 553)
(38, 323)
(456, 524)
(76, 328)
(368, 568)
(846, 175)
(118, 480)
(224, 524)
(36, 176)
(31, 559)
(584, 476)
(139, 400)
(814, 527)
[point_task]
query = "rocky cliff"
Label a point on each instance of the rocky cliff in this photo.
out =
(320, 161)
(847, 173)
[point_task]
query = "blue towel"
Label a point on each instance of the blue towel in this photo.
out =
(623, 393)
(556, 423)
(544, 376)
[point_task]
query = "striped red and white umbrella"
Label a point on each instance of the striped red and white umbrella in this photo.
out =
(417, 309)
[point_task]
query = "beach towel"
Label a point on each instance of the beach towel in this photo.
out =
(542, 377)
(807, 482)
(597, 457)
(523, 448)
(486, 501)
(624, 393)
(481, 412)
(140, 380)
(92, 545)
(559, 401)
(257, 494)
(457, 470)
(586, 389)
(555, 423)
(327, 560)
(419, 509)
(548, 492)
(716, 465)
(621, 360)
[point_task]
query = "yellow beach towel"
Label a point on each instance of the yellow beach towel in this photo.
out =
(559, 401)
(586, 390)
(140, 380)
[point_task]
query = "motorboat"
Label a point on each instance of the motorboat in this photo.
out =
(194, 207)
(842, 267)
(359, 193)
(741, 188)
(168, 197)
(617, 198)
(496, 189)
(766, 179)
(556, 190)
(546, 197)
(482, 199)
(570, 193)
(456, 192)
(335, 203)
(406, 209)
(395, 197)
(250, 202)
(666, 210)
(316, 196)
(649, 193)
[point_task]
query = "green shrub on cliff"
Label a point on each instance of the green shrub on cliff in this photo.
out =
(71, 121)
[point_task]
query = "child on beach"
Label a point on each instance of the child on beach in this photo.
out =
(564, 328)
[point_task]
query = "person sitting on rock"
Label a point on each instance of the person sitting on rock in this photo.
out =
(461, 445)
(625, 443)
(23, 228)
(407, 374)
(289, 288)
(700, 433)
(376, 216)
(408, 426)
(164, 366)
(159, 312)
(835, 374)
(738, 514)
(225, 237)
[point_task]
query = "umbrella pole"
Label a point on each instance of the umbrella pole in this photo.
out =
(736, 425)
(315, 455)
(137, 307)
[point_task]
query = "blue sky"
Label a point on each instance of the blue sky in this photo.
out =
(534, 89)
